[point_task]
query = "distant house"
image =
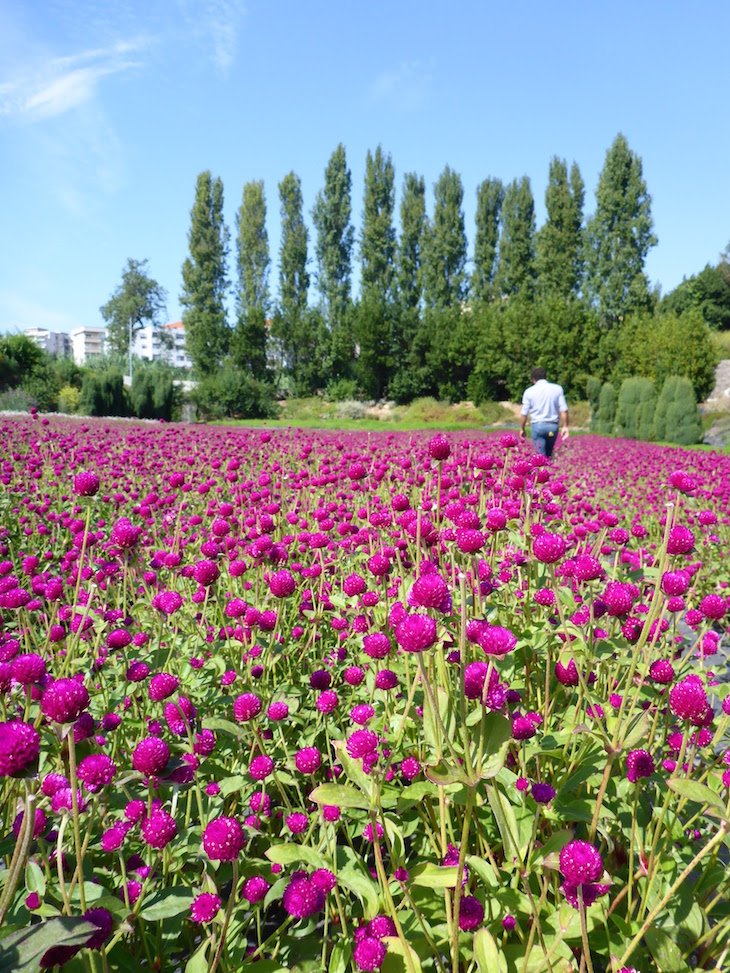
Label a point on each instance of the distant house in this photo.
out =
(163, 344)
(88, 344)
(57, 343)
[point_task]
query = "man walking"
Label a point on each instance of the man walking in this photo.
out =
(545, 403)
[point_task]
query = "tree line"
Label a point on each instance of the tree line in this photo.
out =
(427, 321)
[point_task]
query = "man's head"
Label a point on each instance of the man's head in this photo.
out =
(537, 373)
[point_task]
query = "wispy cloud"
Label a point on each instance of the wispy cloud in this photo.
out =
(61, 84)
(217, 23)
(404, 87)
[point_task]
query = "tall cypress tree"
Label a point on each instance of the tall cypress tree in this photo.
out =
(293, 274)
(516, 265)
(559, 260)
(410, 245)
(248, 343)
(207, 333)
(490, 195)
(377, 237)
(619, 236)
(444, 249)
(335, 236)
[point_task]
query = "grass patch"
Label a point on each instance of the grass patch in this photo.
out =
(721, 343)
(580, 414)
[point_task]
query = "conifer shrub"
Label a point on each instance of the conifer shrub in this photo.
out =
(605, 421)
(677, 417)
(102, 394)
(593, 393)
(635, 409)
(152, 394)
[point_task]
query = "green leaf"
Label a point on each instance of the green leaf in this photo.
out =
(496, 734)
(166, 904)
(433, 876)
(444, 773)
(353, 770)
(340, 958)
(638, 732)
(695, 791)
(229, 785)
(340, 795)
(665, 951)
(198, 962)
(415, 793)
(489, 958)
(223, 726)
(35, 880)
(395, 960)
(22, 951)
(547, 856)
(484, 870)
(504, 815)
(287, 854)
(361, 885)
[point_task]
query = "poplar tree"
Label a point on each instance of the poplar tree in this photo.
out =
(335, 237)
(377, 237)
(619, 236)
(559, 260)
(204, 278)
(490, 195)
(515, 272)
(444, 246)
(248, 344)
(410, 246)
(293, 274)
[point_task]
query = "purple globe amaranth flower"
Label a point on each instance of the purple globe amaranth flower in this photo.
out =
(523, 728)
(439, 448)
(167, 602)
(246, 707)
(681, 540)
(587, 568)
(278, 711)
(328, 701)
(158, 829)
(713, 607)
(361, 743)
(548, 548)
(369, 953)
(150, 756)
(542, 793)
(96, 771)
(431, 591)
(27, 669)
(297, 822)
(661, 671)
(639, 763)
(580, 863)
(223, 839)
(255, 889)
(301, 897)
(675, 583)
(496, 519)
(307, 760)
(688, 701)
(282, 584)
(376, 645)
(618, 598)
(162, 686)
(204, 907)
(206, 572)
(125, 534)
(416, 633)
(386, 679)
(86, 484)
(496, 640)
(64, 700)
(469, 540)
(260, 767)
(471, 913)
(179, 715)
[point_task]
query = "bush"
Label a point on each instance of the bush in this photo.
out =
(341, 390)
(635, 411)
(605, 421)
(152, 394)
(69, 399)
(16, 400)
(103, 394)
(593, 393)
(235, 394)
(677, 418)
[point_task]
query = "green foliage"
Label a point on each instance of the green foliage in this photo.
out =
(232, 393)
(410, 245)
(605, 421)
(335, 236)
(137, 301)
(559, 261)
(103, 394)
(69, 400)
(249, 342)
(619, 235)
(204, 278)
(19, 357)
(593, 393)
(635, 410)
(16, 400)
(152, 393)
(708, 292)
(303, 341)
(490, 195)
(42, 385)
(341, 390)
(677, 418)
(252, 251)
(377, 239)
(443, 264)
(516, 266)
(293, 276)
(372, 327)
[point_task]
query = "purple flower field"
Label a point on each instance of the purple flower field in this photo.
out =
(293, 700)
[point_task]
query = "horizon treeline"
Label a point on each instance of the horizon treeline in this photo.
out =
(567, 295)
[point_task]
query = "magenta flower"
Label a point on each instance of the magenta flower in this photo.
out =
(471, 913)
(86, 484)
(438, 448)
(361, 743)
(301, 897)
(204, 907)
(369, 954)
(307, 760)
(688, 701)
(223, 839)
(580, 863)
(255, 889)
(639, 763)
(416, 632)
(64, 700)
(246, 707)
(548, 547)
(96, 771)
(162, 686)
(158, 829)
(150, 756)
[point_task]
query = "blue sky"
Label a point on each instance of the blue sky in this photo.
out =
(109, 110)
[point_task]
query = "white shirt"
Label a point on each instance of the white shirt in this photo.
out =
(544, 401)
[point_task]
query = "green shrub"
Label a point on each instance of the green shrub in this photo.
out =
(102, 394)
(635, 410)
(677, 418)
(593, 393)
(16, 400)
(341, 390)
(605, 421)
(68, 399)
(152, 394)
(232, 393)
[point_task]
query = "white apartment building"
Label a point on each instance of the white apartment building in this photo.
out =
(56, 343)
(163, 344)
(88, 344)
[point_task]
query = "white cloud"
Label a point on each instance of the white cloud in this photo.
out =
(217, 24)
(18, 312)
(404, 87)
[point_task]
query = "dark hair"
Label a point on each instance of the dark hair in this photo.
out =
(537, 373)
